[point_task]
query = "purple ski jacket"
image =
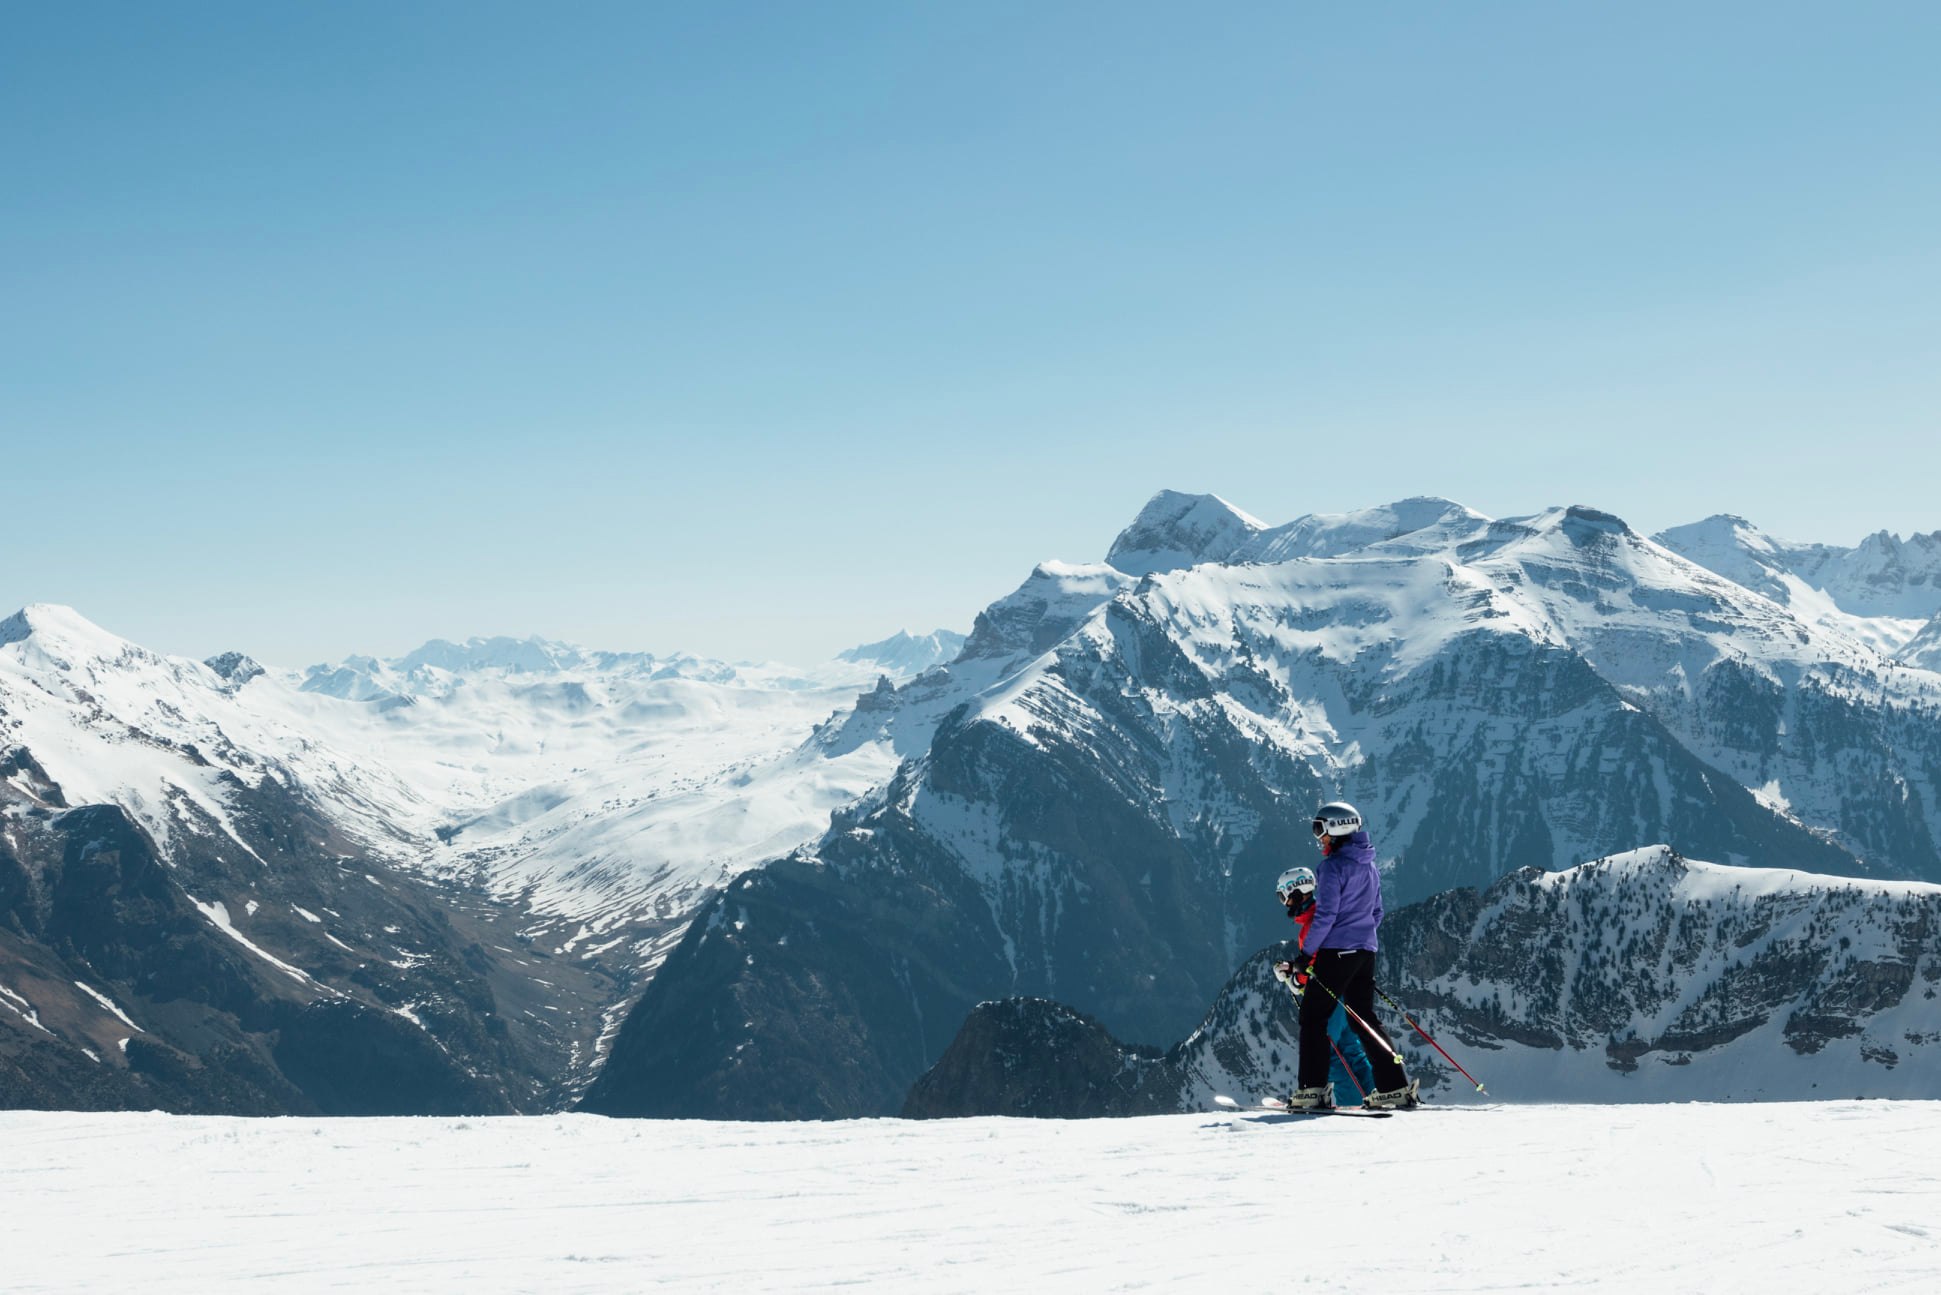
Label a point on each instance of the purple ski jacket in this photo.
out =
(1347, 898)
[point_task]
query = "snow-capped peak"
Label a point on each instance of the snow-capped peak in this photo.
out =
(1052, 602)
(1733, 547)
(904, 653)
(532, 655)
(1660, 868)
(1423, 524)
(62, 632)
(1176, 530)
(237, 667)
(1720, 530)
(1581, 524)
(1879, 592)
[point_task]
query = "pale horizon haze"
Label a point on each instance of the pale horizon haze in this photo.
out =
(760, 330)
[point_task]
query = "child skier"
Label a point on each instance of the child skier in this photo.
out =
(1349, 1069)
(1338, 956)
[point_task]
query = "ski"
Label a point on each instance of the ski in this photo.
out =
(1280, 1107)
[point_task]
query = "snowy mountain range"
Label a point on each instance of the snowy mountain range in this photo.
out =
(550, 816)
(795, 884)
(1101, 825)
(1641, 977)
(597, 788)
(904, 653)
(1885, 591)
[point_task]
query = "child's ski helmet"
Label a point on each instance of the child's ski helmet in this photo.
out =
(1336, 818)
(1295, 881)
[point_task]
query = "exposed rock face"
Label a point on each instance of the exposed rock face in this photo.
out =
(352, 1060)
(254, 973)
(1036, 1058)
(235, 667)
(1047, 608)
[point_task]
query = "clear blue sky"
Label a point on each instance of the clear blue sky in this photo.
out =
(762, 329)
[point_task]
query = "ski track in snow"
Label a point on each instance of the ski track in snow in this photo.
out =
(1804, 1196)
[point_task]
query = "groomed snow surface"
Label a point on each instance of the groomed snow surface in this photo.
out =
(1842, 1196)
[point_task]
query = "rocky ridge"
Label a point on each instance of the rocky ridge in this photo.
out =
(1639, 977)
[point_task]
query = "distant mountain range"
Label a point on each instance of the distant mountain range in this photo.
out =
(1886, 591)
(904, 653)
(465, 867)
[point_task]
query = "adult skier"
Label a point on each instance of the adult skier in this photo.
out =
(1349, 1071)
(1338, 958)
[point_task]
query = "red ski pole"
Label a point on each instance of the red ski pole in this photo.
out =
(1432, 1043)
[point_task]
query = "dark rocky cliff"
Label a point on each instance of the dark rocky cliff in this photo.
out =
(1033, 1057)
(264, 972)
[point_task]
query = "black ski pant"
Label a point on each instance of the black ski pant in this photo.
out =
(1350, 973)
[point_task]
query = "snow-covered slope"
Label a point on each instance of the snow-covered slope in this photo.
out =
(1829, 1196)
(1924, 649)
(113, 723)
(1649, 977)
(904, 654)
(600, 788)
(1880, 591)
(1346, 663)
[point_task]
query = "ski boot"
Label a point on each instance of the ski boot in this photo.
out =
(1319, 1098)
(1395, 1099)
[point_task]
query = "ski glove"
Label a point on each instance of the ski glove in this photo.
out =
(1293, 972)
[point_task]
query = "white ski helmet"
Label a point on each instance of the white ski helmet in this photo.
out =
(1295, 881)
(1336, 818)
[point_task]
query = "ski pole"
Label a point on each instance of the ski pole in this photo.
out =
(1355, 1016)
(1432, 1043)
(1294, 991)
